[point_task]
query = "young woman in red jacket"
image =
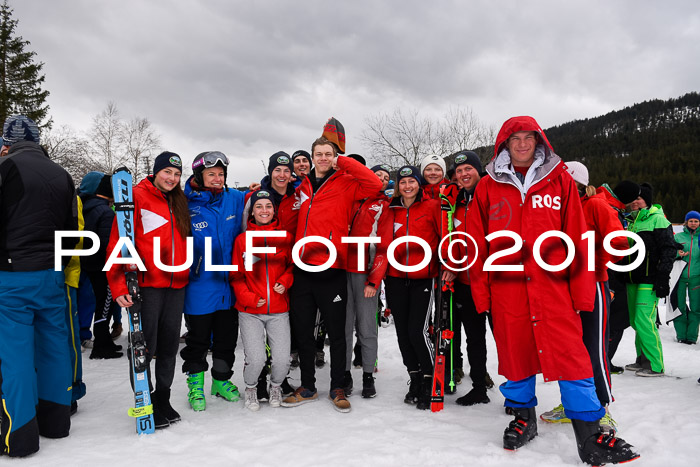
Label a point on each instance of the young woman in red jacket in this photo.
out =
(160, 211)
(410, 294)
(262, 299)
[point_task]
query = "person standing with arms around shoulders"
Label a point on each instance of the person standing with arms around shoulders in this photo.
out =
(528, 192)
(411, 295)
(263, 300)
(370, 219)
(37, 198)
(688, 323)
(160, 211)
(327, 196)
(215, 212)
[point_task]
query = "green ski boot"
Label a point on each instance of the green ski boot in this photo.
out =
(225, 389)
(195, 383)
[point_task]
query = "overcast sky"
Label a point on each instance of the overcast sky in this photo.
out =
(252, 78)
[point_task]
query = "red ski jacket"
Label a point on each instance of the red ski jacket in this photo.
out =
(433, 191)
(371, 219)
(152, 218)
(287, 212)
(268, 269)
(602, 219)
(535, 323)
(459, 220)
(421, 219)
(327, 212)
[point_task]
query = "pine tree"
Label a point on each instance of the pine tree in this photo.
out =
(20, 76)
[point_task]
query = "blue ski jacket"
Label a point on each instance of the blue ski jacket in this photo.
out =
(217, 216)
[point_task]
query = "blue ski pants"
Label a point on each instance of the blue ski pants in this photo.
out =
(35, 369)
(578, 397)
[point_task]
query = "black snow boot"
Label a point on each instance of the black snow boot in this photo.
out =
(165, 407)
(521, 430)
(476, 396)
(103, 346)
(159, 419)
(287, 389)
(368, 390)
(426, 391)
(347, 384)
(597, 448)
(414, 387)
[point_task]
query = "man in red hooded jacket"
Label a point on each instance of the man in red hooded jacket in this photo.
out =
(527, 193)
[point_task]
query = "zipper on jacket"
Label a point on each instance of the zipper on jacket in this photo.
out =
(172, 244)
(407, 236)
(690, 254)
(311, 199)
(267, 279)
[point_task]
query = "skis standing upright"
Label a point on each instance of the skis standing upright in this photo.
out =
(124, 209)
(442, 326)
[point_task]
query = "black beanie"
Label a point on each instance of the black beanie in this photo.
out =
(383, 167)
(467, 157)
(280, 158)
(627, 191)
(301, 152)
(167, 159)
(409, 171)
(358, 158)
(647, 193)
(105, 187)
(257, 196)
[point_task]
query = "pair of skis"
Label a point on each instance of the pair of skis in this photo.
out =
(442, 324)
(124, 209)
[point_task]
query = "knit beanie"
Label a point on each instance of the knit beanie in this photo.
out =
(578, 172)
(692, 215)
(257, 196)
(167, 159)
(301, 152)
(468, 157)
(105, 187)
(627, 191)
(358, 158)
(90, 182)
(409, 171)
(19, 128)
(280, 158)
(334, 132)
(433, 159)
(382, 167)
(647, 193)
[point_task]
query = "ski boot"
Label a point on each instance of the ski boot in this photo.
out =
(597, 448)
(411, 396)
(225, 389)
(195, 395)
(521, 430)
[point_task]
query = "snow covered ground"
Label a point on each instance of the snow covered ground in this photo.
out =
(660, 416)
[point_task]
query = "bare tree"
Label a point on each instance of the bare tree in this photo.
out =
(107, 138)
(140, 143)
(402, 138)
(69, 150)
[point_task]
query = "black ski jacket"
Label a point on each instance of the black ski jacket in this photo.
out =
(98, 217)
(37, 198)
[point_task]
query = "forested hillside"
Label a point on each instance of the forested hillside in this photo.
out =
(655, 141)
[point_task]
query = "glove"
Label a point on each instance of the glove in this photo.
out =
(662, 288)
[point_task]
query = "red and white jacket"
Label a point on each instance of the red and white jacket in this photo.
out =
(421, 219)
(371, 219)
(152, 218)
(327, 211)
(268, 269)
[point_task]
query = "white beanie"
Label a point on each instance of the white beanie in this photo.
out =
(578, 172)
(433, 159)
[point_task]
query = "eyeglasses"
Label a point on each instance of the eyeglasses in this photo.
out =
(210, 159)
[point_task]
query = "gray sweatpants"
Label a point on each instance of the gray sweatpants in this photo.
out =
(253, 328)
(362, 314)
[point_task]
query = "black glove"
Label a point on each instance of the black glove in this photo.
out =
(661, 288)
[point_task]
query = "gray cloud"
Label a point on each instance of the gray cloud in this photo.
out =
(251, 78)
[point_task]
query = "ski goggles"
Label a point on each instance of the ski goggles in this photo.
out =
(211, 159)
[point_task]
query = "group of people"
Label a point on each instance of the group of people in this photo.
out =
(243, 280)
